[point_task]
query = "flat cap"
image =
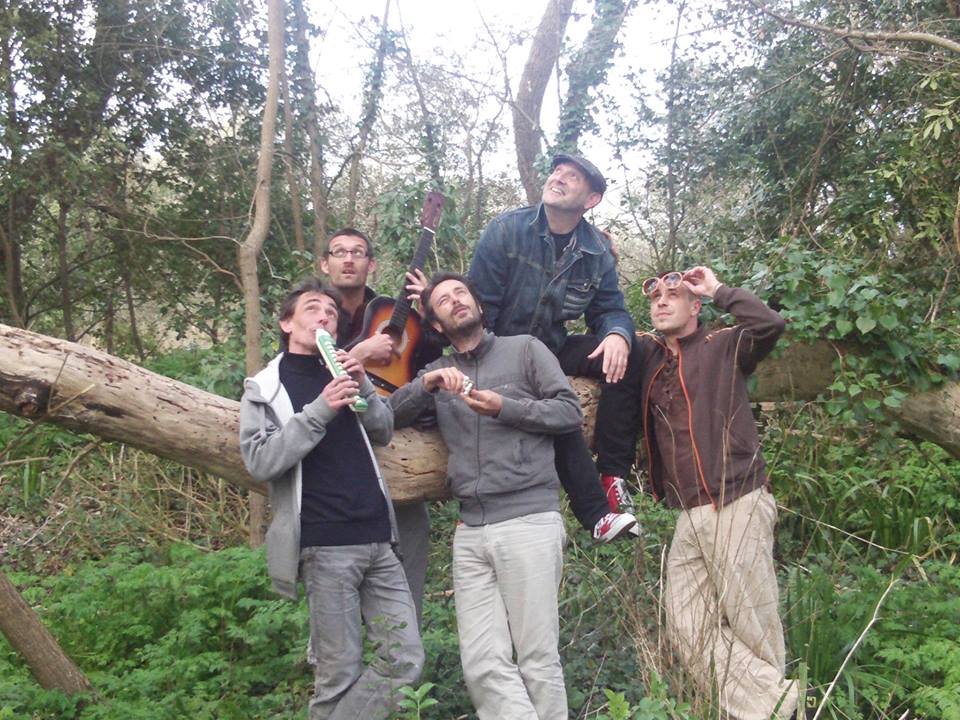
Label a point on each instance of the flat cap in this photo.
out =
(597, 182)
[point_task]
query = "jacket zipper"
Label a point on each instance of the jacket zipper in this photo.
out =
(693, 439)
(476, 486)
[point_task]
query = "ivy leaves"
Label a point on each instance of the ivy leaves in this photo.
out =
(889, 326)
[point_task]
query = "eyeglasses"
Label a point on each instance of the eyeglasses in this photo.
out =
(670, 281)
(340, 253)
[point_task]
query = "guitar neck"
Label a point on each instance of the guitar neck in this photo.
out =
(429, 219)
(401, 310)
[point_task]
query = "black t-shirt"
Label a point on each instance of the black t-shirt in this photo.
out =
(341, 499)
(560, 242)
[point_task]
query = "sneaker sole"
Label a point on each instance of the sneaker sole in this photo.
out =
(618, 530)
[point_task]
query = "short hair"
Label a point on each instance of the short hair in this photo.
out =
(429, 316)
(351, 232)
(289, 303)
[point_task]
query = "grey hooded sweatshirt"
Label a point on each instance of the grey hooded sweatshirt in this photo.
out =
(499, 467)
(273, 441)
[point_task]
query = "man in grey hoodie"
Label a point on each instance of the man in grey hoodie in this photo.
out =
(333, 525)
(499, 403)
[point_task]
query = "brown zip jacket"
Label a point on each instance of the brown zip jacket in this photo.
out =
(713, 366)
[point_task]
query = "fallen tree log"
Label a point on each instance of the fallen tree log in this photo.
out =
(804, 371)
(88, 391)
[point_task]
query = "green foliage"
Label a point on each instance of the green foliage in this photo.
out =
(397, 213)
(186, 634)
(415, 701)
(907, 660)
(899, 497)
(658, 704)
(218, 369)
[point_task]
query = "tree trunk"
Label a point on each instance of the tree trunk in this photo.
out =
(289, 160)
(108, 322)
(10, 258)
(251, 247)
(533, 84)
(30, 637)
(667, 254)
(371, 104)
(431, 145)
(588, 69)
(132, 311)
(86, 390)
(63, 267)
(305, 78)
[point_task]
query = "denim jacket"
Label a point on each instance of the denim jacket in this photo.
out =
(525, 291)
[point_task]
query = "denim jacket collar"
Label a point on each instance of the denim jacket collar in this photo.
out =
(586, 241)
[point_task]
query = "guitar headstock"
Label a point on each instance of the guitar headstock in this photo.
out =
(430, 215)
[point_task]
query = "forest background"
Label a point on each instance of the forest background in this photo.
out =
(810, 153)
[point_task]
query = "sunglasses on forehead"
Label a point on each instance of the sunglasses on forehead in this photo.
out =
(670, 280)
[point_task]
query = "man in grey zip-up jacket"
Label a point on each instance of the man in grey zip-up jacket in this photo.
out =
(333, 524)
(499, 401)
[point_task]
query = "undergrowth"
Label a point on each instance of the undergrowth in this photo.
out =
(138, 568)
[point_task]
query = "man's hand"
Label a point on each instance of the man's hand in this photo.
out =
(375, 350)
(353, 366)
(416, 283)
(484, 402)
(341, 391)
(613, 244)
(701, 281)
(616, 352)
(448, 378)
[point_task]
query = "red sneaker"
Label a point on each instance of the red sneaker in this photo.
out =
(618, 496)
(613, 525)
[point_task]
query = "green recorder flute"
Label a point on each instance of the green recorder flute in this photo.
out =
(328, 351)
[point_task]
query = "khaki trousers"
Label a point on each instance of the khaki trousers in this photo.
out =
(722, 606)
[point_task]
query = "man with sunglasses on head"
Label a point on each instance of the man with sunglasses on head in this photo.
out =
(538, 267)
(704, 459)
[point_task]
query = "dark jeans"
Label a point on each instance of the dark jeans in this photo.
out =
(615, 434)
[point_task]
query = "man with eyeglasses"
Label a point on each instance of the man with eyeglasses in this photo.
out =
(537, 268)
(703, 454)
(348, 261)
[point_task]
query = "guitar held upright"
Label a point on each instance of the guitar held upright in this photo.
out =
(397, 318)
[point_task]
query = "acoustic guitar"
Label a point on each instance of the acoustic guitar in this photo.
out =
(396, 317)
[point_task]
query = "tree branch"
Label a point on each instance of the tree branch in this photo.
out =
(868, 35)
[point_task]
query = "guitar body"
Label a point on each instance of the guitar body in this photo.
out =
(412, 350)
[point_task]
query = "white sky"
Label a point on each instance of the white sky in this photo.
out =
(340, 54)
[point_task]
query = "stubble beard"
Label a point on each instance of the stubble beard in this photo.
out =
(457, 333)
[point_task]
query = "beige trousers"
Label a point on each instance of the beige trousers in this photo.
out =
(506, 578)
(722, 606)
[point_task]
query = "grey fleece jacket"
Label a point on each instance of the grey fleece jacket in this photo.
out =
(499, 467)
(273, 441)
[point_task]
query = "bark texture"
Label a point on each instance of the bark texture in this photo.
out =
(543, 56)
(253, 244)
(50, 666)
(89, 391)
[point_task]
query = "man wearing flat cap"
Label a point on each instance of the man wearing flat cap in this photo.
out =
(538, 267)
